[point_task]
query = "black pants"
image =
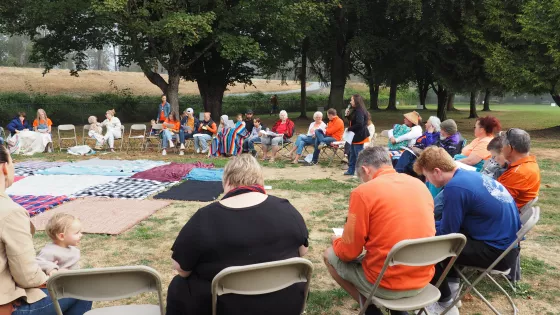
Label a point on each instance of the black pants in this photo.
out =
(475, 254)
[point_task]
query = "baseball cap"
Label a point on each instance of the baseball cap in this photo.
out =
(249, 111)
(189, 110)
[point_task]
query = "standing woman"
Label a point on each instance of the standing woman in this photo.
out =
(21, 278)
(358, 125)
(113, 125)
(43, 125)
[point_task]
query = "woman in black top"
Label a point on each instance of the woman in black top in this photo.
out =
(358, 125)
(246, 227)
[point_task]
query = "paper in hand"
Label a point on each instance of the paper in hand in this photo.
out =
(348, 136)
(338, 231)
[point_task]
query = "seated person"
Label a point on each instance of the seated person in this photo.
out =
(309, 138)
(249, 120)
(284, 129)
(170, 130)
(229, 140)
(495, 166)
(206, 129)
(405, 135)
(42, 123)
(476, 206)
(374, 225)
(522, 178)
(449, 140)
(475, 153)
(246, 227)
(254, 137)
(332, 133)
(19, 123)
(96, 132)
(371, 130)
(188, 128)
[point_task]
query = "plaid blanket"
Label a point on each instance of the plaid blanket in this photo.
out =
(38, 204)
(25, 171)
(29, 168)
(127, 188)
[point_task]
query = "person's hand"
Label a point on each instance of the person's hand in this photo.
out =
(393, 141)
(189, 131)
(204, 127)
(346, 112)
(431, 129)
(334, 237)
(17, 131)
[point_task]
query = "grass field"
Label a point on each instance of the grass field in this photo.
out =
(26, 80)
(321, 194)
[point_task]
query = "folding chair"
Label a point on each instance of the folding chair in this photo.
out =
(61, 139)
(107, 284)
(139, 135)
(154, 135)
(2, 133)
(528, 206)
(418, 252)
(121, 139)
(285, 143)
(336, 148)
(528, 221)
(262, 278)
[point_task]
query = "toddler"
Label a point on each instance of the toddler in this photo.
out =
(96, 132)
(65, 231)
(496, 165)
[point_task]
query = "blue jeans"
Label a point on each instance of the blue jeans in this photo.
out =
(405, 163)
(184, 135)
(355, 149)
(166, 135)
(302, 141)
(200, 141)
(320, 138)
(45, 307)
(249, 144)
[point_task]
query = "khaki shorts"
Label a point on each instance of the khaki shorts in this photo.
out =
(353, 273)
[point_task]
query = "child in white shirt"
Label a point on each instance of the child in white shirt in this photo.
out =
(96, 132)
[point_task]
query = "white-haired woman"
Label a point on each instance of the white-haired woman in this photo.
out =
(245, 227)
(431, 136)
(283, 129)
(309, 138)
(113, 125)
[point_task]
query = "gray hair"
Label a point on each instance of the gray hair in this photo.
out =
(518, 139)
(373, 156)
(283, 112)
(317, 114)
(435, 122)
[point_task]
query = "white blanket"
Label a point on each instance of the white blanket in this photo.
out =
(56, 185)
(28, 142)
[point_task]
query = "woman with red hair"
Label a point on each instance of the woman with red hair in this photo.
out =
(475, 153)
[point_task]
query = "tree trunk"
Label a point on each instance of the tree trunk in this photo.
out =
(338, 83)
(423, 94)
(451, 102)
(303, 78)
(212, 93)
(486, 107)
(472, 113)
(393, 96)
(442, 96)
(556, 98)
(173, 90)
(374, 96)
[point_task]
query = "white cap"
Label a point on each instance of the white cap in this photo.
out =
(189, 110)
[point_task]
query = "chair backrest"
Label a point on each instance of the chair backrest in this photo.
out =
(528, 206)
(528, 220)
(138, 127)
(262, 278)
(156, 127)
(66, 127)
(104, 284)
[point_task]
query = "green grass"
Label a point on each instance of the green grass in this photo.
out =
(325, 186)
(321, 302)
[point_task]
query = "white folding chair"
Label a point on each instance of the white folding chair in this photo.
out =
(154, 136)
(418, 252)
(529, 205)
(121, 139)
(108, 284)
(528, 221)
(65, 130)
(262, 278)
(136, 133)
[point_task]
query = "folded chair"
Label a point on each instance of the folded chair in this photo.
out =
(67, 130)
(528, 221)
(418, 252)
(108, 284)
(136, 134)
(262, 278)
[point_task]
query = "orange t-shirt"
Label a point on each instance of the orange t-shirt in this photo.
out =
(161, 113)
(176, 125)
(384, 211)
(523, 180)
(478, 147)
(36, 122)
(335, 128)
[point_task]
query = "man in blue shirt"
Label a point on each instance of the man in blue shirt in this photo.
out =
(478, 207)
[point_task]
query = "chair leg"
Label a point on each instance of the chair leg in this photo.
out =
(504, 292)
(467, 290)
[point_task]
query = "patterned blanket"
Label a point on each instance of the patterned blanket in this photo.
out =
(29, 168)
(127, 188)
(110, 168)
(171, 172)
(38, 204)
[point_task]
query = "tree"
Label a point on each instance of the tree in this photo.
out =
(486, 101)
(472, 103)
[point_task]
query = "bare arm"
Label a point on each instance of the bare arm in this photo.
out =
(471, 160)
(303, 250)
(181, 272)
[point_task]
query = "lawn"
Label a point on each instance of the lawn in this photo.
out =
(321, 195)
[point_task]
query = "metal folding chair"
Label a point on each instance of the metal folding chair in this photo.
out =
(528, 221)
(108, 284)
(66, 129)
(262, 278)
(418, 252)
(154, 136)
(285, 144)
(121, 139)
(136, 133)
(337, 151)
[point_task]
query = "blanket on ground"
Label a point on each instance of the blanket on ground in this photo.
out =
(127, 188)
(111, 168)
(38, 204)
(193, 190)
(29, 168)
(55, 185)
(171, 172)
(206, 175)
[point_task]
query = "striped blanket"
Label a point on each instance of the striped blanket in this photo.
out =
(229, 141)
(38, 204)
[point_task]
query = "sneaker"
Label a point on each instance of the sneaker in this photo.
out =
(437, 309)
(254, 153)
(310, 163)
(344, 167)
(348, 173)
(182, 152)
(163, 152)
(197, 151)
(204, 151)
(182, 146)
(171, 144)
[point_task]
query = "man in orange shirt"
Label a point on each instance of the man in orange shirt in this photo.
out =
(387, 208)
(522, 178)
(334, 131)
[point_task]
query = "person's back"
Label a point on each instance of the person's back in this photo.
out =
(523, 180)
(390, 208)
(480, 207)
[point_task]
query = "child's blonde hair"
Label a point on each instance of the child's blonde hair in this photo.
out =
(59, 223)
(92, 119)
(39, 111)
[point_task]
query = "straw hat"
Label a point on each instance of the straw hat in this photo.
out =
(413, 117)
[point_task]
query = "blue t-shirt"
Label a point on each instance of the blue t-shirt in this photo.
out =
(479, 207)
